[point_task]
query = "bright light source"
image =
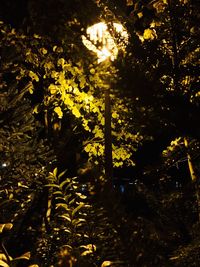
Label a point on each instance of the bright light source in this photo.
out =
(4, 165)
(100, 41)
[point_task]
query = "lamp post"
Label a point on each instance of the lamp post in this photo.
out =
(99, 40)
(108, 138)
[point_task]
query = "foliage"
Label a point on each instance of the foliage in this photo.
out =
(163, 59)
(24, 157)
(177, 152)
(64, 220)
(80, 228)
(7, 261)
(189, 256)
(69, 89)
(70, 210)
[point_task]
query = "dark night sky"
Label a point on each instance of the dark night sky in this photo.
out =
(13, 12)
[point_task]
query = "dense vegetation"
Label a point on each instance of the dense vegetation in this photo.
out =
(56, 206)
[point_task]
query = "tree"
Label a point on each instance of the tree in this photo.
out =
(62, 81)
(69, 90)
(174, 42)
(24, 157)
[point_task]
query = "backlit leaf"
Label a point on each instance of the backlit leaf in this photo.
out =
(59, 112)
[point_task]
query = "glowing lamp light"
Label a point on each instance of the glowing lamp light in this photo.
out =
(100, 41)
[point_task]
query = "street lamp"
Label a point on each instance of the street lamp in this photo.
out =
(102, 41)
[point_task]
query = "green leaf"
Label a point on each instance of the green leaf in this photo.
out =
(66, 217)
(57, 193)
(67, 188)
(64, 183)
(78, 222)
(72, 201)
(60, 198)
(77, 209)
(55, 171)
(62, 205)
(62, 174)
(67, 231)
(81, 195)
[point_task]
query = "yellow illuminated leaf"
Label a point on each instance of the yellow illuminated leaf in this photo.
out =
(43, 51)
(82, 82)
(140, 15)
(3, 264)
(90, 248)
(76, 112)
(61, 62)
(102, 121)
(35, 110)
(59, 112)
(61, 78)
(148, 34)
(30, 88)
(88, 148)
(49, 65)
(33, 76)
(5, 227)
(115, 115)
(52, 88)
(37, 36)
(25, 256)
(129, 2)
(68, 101)
(87, 128)
(92, 71)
